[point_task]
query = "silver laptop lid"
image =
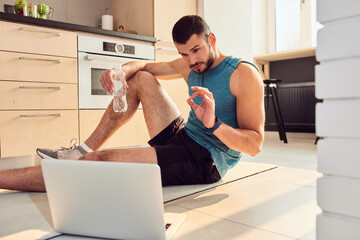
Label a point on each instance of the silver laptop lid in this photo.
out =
(105, 199)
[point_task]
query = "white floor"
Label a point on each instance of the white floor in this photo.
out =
(277, 204)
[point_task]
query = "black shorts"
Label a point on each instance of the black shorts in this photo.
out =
(182, 160)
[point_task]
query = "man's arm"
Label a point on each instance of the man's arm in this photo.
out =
(162, 70)
(246, 85)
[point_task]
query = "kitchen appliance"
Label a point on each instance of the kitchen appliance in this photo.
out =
(97, 54)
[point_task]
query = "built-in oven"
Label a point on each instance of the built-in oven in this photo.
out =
(96, 55)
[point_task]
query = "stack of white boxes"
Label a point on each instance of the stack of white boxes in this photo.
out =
(338, 119)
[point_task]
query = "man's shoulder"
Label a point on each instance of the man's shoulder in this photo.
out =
(244, 76)
(246, 70)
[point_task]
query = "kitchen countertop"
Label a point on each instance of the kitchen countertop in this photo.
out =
(73, 27)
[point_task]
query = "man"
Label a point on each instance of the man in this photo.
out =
(226, 117)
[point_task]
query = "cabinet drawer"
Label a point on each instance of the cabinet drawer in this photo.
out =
(21, 132)
(41, 40)
(25, 95)
(132, 133)
(37, 68)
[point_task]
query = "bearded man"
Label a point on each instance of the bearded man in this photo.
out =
(226, 117)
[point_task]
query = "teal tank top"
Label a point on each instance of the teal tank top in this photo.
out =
(217, 80)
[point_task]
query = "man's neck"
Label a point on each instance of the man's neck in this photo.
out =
(219, 57)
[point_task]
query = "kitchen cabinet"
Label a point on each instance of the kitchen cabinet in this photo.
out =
(31, 95)
(38, 87)
(21, 66)
(38, 40)
(166, 14)
(157, 18)
(24, 131)
(134, 132)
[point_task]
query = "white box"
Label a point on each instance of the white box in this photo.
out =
(339, 195)
(330, 10)
(334, 227)
(339, 157)
(338, 79)
(338, 118)
(339, 39)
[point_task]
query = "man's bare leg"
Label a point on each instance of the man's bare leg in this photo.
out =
(158, 109)
(30, 179)
(25, 179)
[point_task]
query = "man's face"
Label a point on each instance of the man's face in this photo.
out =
(197, 53)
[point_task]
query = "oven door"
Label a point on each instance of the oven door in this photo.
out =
(91, 66)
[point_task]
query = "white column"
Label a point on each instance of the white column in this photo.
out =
(338, 119)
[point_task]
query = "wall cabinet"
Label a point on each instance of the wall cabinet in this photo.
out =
(38, 88)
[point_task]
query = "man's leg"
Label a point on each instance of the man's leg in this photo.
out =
(31, 179)
(158, 108)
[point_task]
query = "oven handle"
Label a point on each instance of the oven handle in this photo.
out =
(103, 58)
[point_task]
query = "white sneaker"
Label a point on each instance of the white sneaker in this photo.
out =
(72, 153)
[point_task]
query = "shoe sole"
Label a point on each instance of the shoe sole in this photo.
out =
(43, 155)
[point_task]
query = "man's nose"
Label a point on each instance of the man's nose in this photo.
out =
(192, 59)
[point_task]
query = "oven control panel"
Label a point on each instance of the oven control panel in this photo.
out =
(118, 48)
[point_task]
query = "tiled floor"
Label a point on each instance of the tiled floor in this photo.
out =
(277, 204)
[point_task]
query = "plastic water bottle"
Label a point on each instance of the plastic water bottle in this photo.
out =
(119, 93)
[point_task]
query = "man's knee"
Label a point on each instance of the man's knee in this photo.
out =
(140, 76)
(142, 79)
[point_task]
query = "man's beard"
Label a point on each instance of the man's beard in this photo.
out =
(209, 62)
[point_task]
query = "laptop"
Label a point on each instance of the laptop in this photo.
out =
(108, 199)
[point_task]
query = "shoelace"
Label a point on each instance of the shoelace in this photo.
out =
(73, 145)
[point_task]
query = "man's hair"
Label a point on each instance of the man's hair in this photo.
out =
(188, 25)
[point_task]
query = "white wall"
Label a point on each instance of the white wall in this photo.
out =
(240, 26)
(260, 26)
(338, 120)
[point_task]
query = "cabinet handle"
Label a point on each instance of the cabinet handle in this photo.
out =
(42, 115)
(40, 59)
(167, 49)
(38, 30)
(165, 41)
(33, 87)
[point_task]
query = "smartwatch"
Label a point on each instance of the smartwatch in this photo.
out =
(216, 125)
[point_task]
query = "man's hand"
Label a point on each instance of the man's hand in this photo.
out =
(111, 75)
(205, 112)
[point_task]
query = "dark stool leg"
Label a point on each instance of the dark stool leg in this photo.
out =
(279, 119)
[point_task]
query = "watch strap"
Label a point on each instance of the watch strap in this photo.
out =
(216, 125)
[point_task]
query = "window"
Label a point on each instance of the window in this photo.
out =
(295, 24)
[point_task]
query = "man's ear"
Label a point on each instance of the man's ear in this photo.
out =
(212, 39)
